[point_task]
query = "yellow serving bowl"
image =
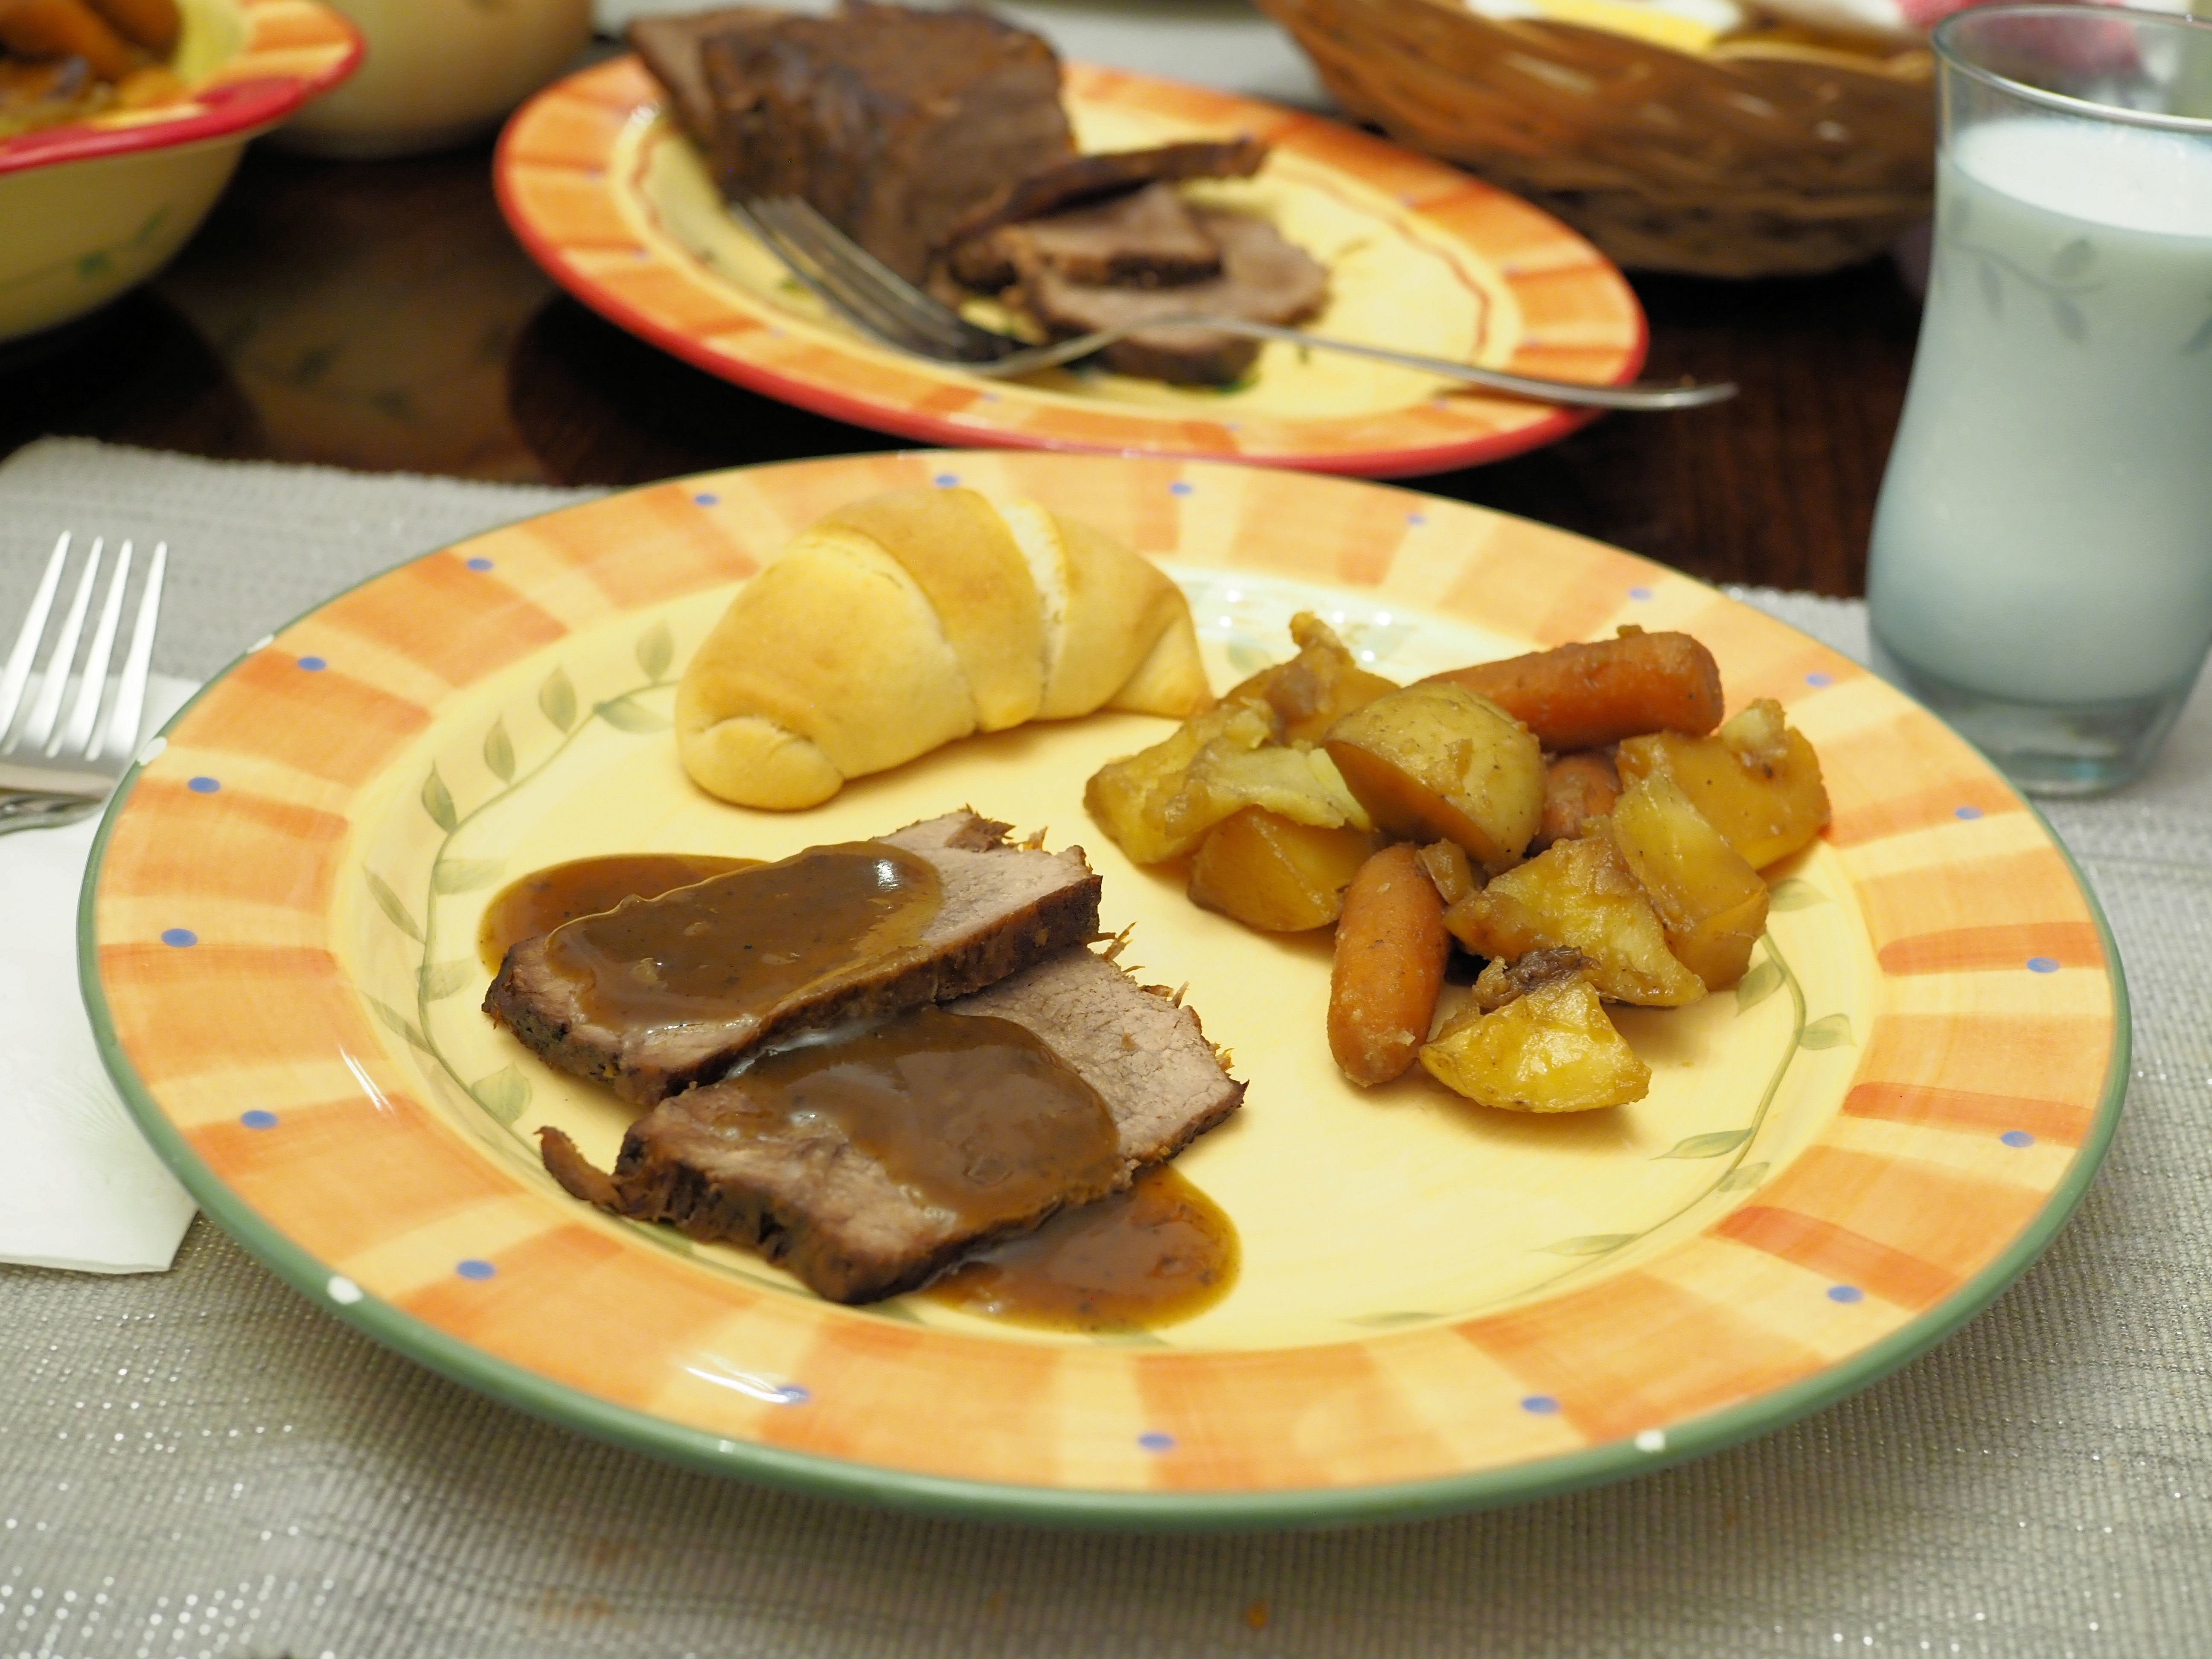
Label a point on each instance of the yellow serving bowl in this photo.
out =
(91, 209)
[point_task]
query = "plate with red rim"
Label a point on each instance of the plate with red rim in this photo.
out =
(1840, 1160)
(614, 202)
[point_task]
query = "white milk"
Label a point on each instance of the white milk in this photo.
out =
(2045, 531)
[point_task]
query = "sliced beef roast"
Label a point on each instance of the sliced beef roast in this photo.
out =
(671, 46)
(894, 123)
(1047, 185)
(998, 908)
(1263, 278)
(856, 1203)
(1148, 237)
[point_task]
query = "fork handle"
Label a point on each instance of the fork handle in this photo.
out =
(33, 810)
(1639, 397)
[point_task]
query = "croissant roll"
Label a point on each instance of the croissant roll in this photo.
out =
(64, 28)
(907, 620)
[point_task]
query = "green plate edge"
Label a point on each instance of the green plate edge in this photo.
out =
(1074, 1507)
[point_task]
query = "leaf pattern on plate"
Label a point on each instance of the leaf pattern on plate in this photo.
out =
(503, 1094)
(465, 875)
(498, 752)
(626, 715)
(1711, 1145)
(1834, 1031)
(1591, 1244)
(398, 1022)
(557, 700)
(1755, 986)
(392, 905)
(1794, 893)
(656, 649)
(438, 802)
(436, 980)
(1743, 1178)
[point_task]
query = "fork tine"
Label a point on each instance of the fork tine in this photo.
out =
(857, 267)
(761, 218)
(91, 685)
(39, 724)
(17, 673)
(122, 737)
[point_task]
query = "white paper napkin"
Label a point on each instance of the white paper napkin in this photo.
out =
(79, 1187)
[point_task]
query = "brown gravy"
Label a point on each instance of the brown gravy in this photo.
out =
(1160, 1253)
(741, 943)
(543, 900)
(971, 1114)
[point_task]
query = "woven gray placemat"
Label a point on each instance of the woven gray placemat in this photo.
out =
(203, 1464)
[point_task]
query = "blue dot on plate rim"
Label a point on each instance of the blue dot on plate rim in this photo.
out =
(2017, 1138)
(1846, 1293)
(1417, 518)
(1639, 592)
(706, 498)
(946, 480)
(1153, 1440)
(203, 785)
(1181, 487)
(475, 1268)
(1541, 1404)
(2041, 965)
(479, 563)
(258, 1119)
(1817, 679)
(180, 937)
(313, 665)
(1969, 813)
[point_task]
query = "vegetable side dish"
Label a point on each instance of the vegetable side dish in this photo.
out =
(66, 60)
(1580, 819)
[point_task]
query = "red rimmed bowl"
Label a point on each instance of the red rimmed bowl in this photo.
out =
(92, 208)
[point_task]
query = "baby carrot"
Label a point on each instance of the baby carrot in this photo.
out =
(1390, 952)
(1582, 785)
(1585, 696)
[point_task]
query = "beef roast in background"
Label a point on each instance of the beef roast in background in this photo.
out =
(1001, 908)
(1053, 185)
(809, 1199)
(893, 123)
(1145, 238)
(1262, 278)
(672, 48)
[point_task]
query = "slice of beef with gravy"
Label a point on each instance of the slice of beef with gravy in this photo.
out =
(662, 994)
(869, 1162)
(1148, 237)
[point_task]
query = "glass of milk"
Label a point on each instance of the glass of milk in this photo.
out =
(2041, 569)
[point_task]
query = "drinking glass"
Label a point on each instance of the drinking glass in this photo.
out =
(2041, 568)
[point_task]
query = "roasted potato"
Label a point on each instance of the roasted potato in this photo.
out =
(1711, 900)
(1129, 798)
(1299, 784)
(1316, 688)
(1755, 780)
(1579, 894)
(1447, 869)
(1435, 762)
(1274, 873)
(1552, 1049)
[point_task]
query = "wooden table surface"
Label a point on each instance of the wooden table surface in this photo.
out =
(378, 316)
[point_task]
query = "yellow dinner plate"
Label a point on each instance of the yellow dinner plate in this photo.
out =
(1840, 1160)
(616, 204)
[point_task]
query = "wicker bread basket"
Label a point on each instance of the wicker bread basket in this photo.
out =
(1762, 156)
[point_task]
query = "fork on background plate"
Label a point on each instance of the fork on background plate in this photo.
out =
(68, 728)
(884, 305)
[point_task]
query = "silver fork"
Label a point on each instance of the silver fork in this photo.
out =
(59, 765)
(878, 301)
